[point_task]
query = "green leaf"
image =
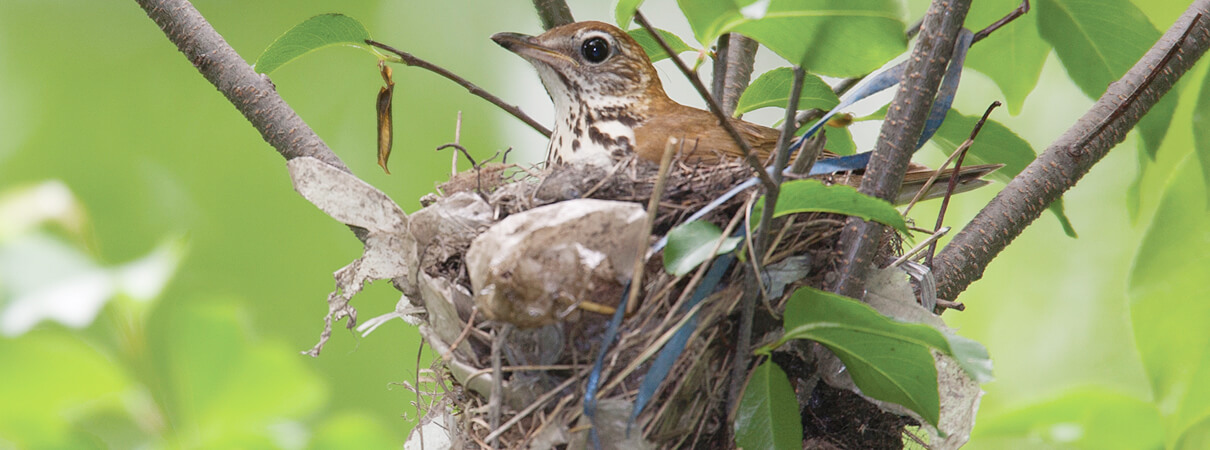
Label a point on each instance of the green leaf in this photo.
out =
(653, 49)
(811, 195)
(890, 361)
(222, 378)
(624, 12)
(690, 244)
(1098, 41)
(996, 144)
(840, 140)
(838, 38)
(60, 377)
(772, 88)
(768, 414)
(1084, 417)
(1057, 209)
(1167, 291)
(349, 429)
(1201, 130)
(1012, 56)
(324, 30)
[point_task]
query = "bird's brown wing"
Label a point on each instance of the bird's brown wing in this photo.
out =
(704, 139)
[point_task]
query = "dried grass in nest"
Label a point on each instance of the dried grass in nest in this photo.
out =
(540, 374)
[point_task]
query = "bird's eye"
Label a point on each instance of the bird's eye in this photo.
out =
(595, 50)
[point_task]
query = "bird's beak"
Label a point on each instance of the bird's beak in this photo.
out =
(528, 47)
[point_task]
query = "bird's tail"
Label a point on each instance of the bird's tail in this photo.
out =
(970, 177)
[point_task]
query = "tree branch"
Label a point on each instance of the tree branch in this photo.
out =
(1071, 156)
(553, 13)
(732, 69)
(898, 136)
(411, 60)
(252, 94)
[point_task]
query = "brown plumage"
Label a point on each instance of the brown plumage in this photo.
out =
(609, 103)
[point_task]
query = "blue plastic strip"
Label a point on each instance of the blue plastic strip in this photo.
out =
(948, 88)
(594, 377)
(672, 349)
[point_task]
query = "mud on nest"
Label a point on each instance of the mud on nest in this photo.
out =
(534, 395)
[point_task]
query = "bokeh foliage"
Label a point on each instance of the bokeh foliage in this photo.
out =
(93, 95)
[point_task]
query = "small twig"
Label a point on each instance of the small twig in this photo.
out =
(413, 61)
(779, 163)
(419, 413)
(724, 121)
(752, 256)
(612, 170)
(466, 331)
(926, 243)
(536, 404)
(457, 140)
(809, 153)
(949, 191)
(961, 150)
(653, 206)
(948, 304)
(1020, 11)
(460, 148)
(495, 401)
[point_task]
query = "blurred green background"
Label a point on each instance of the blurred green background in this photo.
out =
(156, 180)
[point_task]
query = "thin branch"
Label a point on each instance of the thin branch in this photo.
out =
(1071, 156)
(779, 163)
(250, 92)
(1013, 15)
(953, 184)
(724, 121)
(897, 139)
(412, 60)
(733, 69)
(553, 13)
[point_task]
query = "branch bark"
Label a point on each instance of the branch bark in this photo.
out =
(898, 136)
(252, 94)
(553, 13)
(732, 69)
(1071, 156)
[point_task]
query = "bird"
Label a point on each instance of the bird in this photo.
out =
(610, 104)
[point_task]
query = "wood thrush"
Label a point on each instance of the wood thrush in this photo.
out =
(609, 103)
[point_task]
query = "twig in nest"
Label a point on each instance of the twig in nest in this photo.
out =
(723, 120)
(927, 242)
(466, 331)
(536, 404)
(495, 402)
(653, 205)
(764, 294)
(411, 60)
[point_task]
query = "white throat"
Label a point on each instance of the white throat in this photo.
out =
(589, 128)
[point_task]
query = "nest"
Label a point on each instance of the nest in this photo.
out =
(523, 386)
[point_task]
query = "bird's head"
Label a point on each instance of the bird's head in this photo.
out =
(586, 60)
